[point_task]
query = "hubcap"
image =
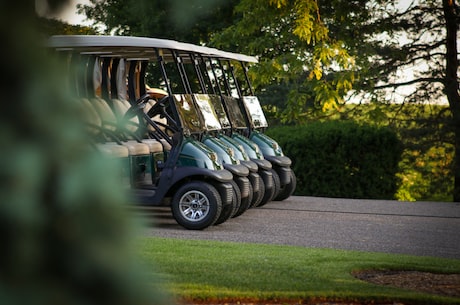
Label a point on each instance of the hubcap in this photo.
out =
(194, 206)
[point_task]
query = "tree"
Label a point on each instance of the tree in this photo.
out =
(420, 39)
(189, 21)
(49, 27)
(451, 82)
(205, 19)
(294, 40)
(295, 50)
(385, 40)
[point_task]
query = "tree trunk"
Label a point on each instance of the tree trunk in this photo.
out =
(451, 84)
(456, 167)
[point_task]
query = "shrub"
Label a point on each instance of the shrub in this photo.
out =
(342, 159)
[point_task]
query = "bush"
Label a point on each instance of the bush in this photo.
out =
(342, 159)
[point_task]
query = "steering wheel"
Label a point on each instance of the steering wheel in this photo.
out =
(159, 109)
(138, 106)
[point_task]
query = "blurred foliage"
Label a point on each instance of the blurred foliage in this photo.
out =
(342, 159)
(66, 238)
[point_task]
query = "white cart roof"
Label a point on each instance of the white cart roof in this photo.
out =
(135, 47)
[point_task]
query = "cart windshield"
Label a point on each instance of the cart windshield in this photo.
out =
(188, 114)
(256, 114)
(219, 111)
(204, 105)
(234, 112)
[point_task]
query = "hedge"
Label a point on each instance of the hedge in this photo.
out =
(342, 159)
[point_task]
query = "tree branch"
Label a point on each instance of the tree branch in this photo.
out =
(411, 82)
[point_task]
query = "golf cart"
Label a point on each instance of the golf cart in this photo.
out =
(233, 127)
(194, 80)
(251, 122)
(164, 165)
(198, 124)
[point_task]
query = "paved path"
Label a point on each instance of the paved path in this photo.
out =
(418, 228)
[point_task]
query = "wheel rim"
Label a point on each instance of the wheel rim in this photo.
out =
(194, 206)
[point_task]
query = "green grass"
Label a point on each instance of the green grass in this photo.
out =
(221, 270)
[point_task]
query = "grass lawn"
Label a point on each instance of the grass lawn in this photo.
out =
(209, 270)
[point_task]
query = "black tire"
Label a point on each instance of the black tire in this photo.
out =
(259, 195)
(230, 209)
(287, 190)
(245, 203)
(268, 193)
(196, 205)
(276, 183)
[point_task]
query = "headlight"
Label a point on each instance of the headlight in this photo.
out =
(230, 152)
(213, 156)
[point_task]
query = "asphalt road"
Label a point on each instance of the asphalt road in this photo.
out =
(416, 228)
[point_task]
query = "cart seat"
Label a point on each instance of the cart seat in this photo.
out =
(120, 108)
(91, 117)
(113, 149)
(154, 145)
(166, 145)
(97, 107)
(136, 148)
